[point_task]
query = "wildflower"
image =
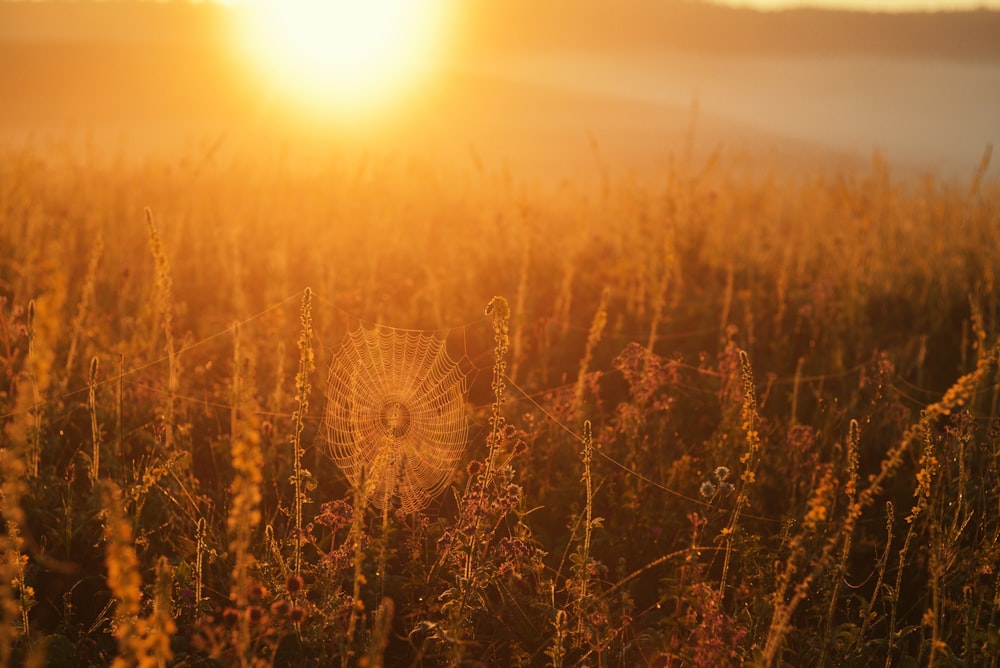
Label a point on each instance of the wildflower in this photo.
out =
(511, 495)
(335, 514)
(230, 616)
(294, 584)
(256, 592)
(708, 489)
(255, 614)
(820, 501)
(926, 474)
(817, 512)
(721, 473)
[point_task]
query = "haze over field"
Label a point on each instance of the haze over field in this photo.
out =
(533, 332)
(531, 84)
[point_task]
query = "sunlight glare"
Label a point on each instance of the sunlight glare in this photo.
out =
(344, 56)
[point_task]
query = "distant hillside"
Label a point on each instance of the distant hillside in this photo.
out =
(531, 81)
(685, 25)
(490, 25)
(83, 21)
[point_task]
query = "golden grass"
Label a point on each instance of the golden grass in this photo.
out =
(829, 335)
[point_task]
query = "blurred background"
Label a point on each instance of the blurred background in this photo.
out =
(545, 88)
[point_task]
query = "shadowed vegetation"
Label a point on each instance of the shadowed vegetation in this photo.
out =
(731, 413)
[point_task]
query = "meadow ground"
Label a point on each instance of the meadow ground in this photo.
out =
(732, 412)
(728, 394)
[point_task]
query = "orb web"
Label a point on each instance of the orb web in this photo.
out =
(396, 419)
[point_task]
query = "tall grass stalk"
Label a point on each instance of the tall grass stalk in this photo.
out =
(796, 384)
(163, 301)
(727, 302)
(593, 338)
(821, 507)
(953, 503)
(303, 388)
(661, 287)
(20, 447)
(356, 540)
(557, 650)
(583, 569)
(851, 491)
(381, 633)
(124, 578)
(925, 476)
(120, 419)
(161, 624)
(563, 307)
(499, 311)
(142, 641)
(201, 545)
(95, 428)
(867, 613)
(86, 302)
(523, 288)
(33, 375)
(244, 512)
(976, 182)
(749, 459)
(277, 398)
(480, 514)
(15, 593)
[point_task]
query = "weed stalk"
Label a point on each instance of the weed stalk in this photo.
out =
(303, 388)
(749, 459)
(165, 310)
(95, 429)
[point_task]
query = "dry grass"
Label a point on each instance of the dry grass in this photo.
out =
(828, 337)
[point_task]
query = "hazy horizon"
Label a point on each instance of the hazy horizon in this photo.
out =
(875, 6)
(527, 86)
(866, 5)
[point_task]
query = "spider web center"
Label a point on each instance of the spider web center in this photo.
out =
(395, 417)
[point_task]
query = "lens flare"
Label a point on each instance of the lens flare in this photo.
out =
(344, 57)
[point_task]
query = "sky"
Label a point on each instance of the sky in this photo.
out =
(515, 99)
(864, 5)
(869, 5)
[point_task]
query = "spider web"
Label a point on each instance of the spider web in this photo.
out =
(396, 418)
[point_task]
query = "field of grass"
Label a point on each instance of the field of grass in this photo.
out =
(729, 413)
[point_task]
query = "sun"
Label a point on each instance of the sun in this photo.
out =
(346, 57)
